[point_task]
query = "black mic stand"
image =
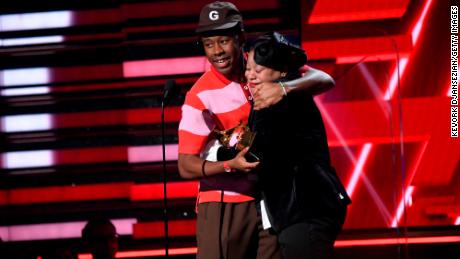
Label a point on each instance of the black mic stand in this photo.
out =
(170, 91)
(165, 174)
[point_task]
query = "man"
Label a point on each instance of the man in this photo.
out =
(100, 238)
(228, 224)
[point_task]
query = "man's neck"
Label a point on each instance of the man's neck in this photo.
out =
(236, 77)
(233, 77)
(237, 74)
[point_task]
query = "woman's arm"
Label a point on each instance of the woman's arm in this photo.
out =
(314, 82)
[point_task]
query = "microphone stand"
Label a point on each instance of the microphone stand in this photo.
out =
(165, 178)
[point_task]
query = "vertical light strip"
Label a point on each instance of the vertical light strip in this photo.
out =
(457, 221)
(450, 83)
(449, 89)
(394, 80)
(415, 32)
(420, 21)
(358, 168)
(407, 200)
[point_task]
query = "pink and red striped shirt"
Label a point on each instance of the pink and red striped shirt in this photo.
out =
(212, 102)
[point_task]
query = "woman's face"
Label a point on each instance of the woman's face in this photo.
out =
(256, 74)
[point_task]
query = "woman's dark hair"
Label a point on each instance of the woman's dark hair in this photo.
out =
(273, 50)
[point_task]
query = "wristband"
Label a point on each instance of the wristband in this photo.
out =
(202, 168)
(227, 167)
(283, 86)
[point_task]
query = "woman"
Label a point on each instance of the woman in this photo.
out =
(303, 200)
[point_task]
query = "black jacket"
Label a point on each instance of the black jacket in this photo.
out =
(295, 176)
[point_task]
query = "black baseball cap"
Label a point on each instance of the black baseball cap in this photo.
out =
(219, 16)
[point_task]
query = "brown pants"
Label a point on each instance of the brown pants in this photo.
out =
(237, 234)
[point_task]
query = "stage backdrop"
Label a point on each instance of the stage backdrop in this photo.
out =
(80, 89)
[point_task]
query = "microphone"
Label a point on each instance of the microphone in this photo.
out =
(170, 91)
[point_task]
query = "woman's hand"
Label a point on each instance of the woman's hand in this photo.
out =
(267, 94)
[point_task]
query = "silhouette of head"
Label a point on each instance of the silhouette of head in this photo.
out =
(101, 238)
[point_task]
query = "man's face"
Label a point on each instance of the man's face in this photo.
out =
(104, 242)
(223, 52)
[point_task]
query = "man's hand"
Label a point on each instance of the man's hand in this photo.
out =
(240, 163)
(267, 94)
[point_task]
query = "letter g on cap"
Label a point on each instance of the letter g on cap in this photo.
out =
(214, 15)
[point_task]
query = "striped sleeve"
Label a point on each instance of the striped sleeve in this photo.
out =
(195, 126)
